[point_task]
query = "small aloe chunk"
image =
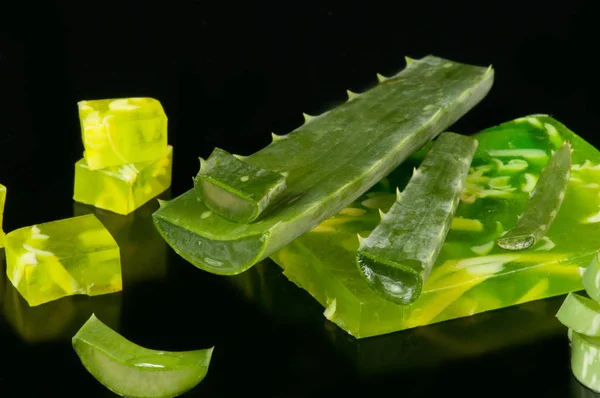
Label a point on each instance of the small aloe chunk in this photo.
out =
(398, 255)
(544, 203)
(2, 201)
(234, 189)
(328, 162)
(585, 360)
(580, 314)
(129, 370)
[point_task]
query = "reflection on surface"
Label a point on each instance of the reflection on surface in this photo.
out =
(421, 347)
(143, 251)
(578, 390)
(57, 320)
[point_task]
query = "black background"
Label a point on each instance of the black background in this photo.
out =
(228, 75)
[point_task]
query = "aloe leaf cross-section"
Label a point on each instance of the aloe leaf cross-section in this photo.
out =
(327, 163)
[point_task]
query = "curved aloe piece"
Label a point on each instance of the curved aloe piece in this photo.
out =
(591, 278)
(544, 203)
(328, 162)
(585, 360)
(398, 255)
(234, 189)
(580, 314)
(133, 371)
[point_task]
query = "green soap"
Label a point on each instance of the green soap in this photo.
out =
(328, 162)
(472, 274)
(580, 314)
(234, 189)
(75, 255)
(128, 369)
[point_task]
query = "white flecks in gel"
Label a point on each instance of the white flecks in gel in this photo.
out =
(244, 178)
(206, 214)
(38, 252)
(330, 310)
(525, 153)
(595, 326)
(213, 262)
(530, 182)
(548, 244)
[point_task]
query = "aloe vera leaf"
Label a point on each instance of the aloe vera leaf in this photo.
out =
(544, 204)
(129, 370)
(234, 189)
(463, 281)
(330, 160)
(397, 256)
(585, 360)
(591, 278)
(580, 314)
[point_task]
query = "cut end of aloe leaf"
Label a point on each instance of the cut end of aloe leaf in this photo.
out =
(221, 257)
(520, 242)
(585, 360)
(591, 278)
(128, 369)
(234, 189)
(395, 282)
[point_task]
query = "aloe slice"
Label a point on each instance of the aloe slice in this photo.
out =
(591, 278)
(544, 203)
(129, 370)
(585, 360)
(580, 314)
(397, 256)
(328, 162)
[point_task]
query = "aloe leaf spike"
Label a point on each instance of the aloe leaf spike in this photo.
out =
(327, 163)
(398, 255)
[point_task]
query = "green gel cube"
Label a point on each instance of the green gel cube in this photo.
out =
(122, 189)
(61, 258)
(2, 202)
(122, 131)
(472, 273)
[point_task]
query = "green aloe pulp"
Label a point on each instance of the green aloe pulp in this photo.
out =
(327, 162)
(133, 371)
(397, 256)
(472, 274)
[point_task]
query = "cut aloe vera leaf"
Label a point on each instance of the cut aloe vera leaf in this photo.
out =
(585, 360)
(591, 278)
(129, 370)
(470, 275)
(580, 314)
(328, 162)
(544, 204)
(397, 256)
(234, 189)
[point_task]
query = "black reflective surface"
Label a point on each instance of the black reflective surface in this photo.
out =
(228, 75)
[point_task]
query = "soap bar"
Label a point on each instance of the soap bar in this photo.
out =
(2, 202)
(122, 189)
(75, 255)
(122, 131)
(472, 273)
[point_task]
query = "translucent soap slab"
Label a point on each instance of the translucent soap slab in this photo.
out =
(122, 131)
(2, 203)
(62, 258)
(122, 189)
(472, 274)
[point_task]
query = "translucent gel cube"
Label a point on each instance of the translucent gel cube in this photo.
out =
(122, 189)
(2, 201)
(122, 131)
(61, 258)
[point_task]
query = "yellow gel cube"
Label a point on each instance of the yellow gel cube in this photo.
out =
(2, 201)
(61, 258)
(122, 131)
(122, 189)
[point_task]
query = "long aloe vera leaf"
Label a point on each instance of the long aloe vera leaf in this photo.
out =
(397, 256)
(472, 274)
(328, 162)
(234, 189)
(544, 203)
